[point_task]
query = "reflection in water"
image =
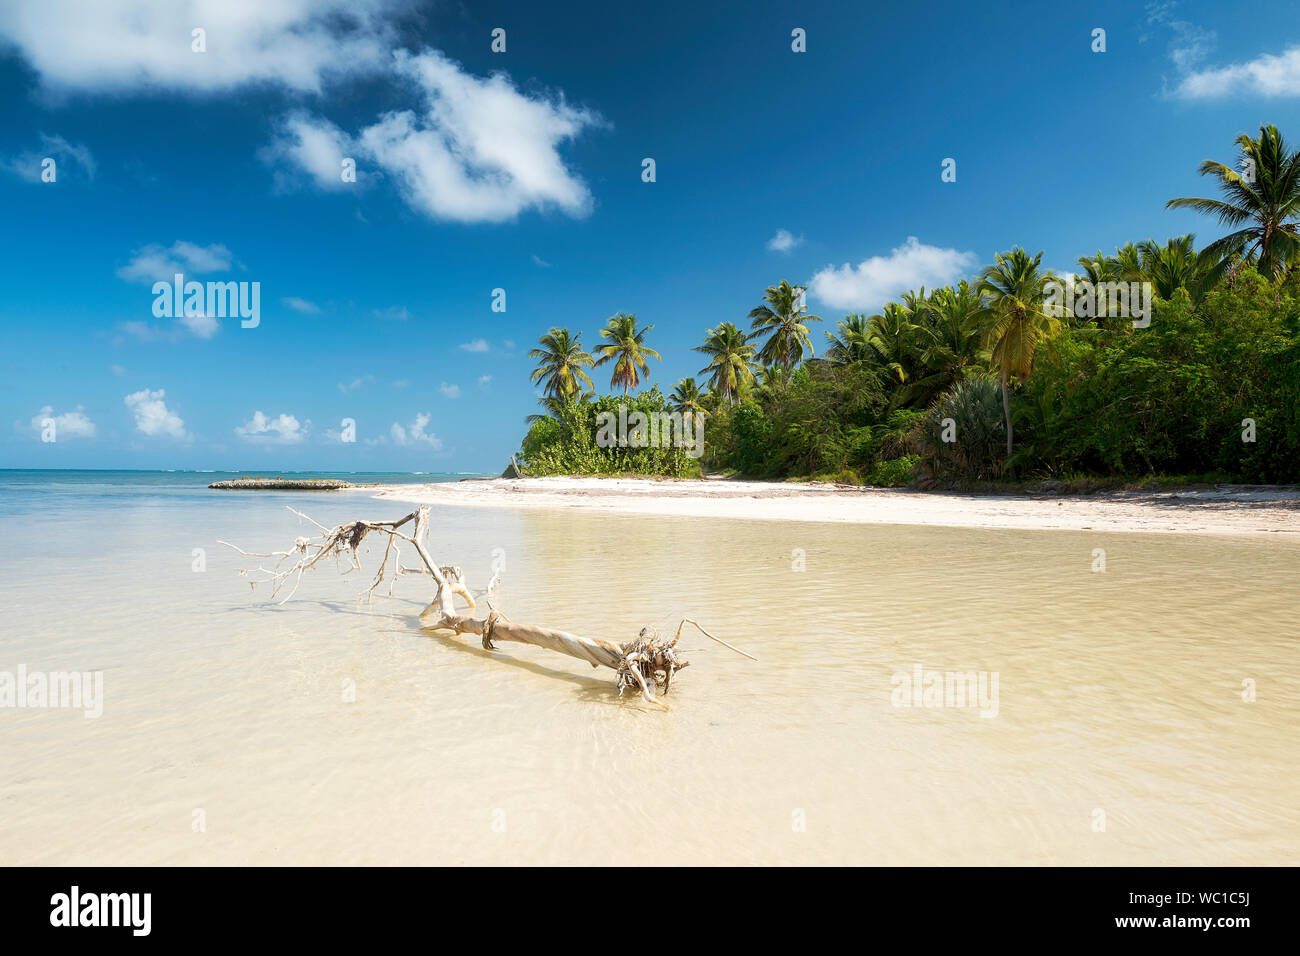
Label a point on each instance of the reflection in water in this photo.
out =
(328, 730)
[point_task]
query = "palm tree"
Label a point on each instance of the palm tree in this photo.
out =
(1100, 268)
(892, 338)
(771, 382)
(1267, 198)
(917, 308)
(783, 319)
(953, 344)
(561, 361)
(731, 365)
(851, 344)
(1128, 263)
(556, 407)
(627, 345)
(1015, 321)
(1175, 265)
(687, 398)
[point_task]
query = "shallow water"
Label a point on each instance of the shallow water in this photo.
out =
(1120, 734)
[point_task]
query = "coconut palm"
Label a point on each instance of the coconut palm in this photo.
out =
(731, 366)
(556, 406)
(1175, 265)
(1264, 198)
(783, 319)
(1015, 321)
(1128, 263)
(850, 345)
(892, 338)
(627, 349)
(917, 308)
(1100, 268)
(687, 399)
(952, 344)
(561, 361)
(771, 381)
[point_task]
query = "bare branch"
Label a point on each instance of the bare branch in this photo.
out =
(642, 663)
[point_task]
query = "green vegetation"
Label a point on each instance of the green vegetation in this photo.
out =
(993, 379)
(564, 442)
(627, 349)
(561, 363)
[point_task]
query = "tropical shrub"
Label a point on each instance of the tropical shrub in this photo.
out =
(817, 421)
(1174, 398)
(962, 437)
(895, 473)
(564, 443)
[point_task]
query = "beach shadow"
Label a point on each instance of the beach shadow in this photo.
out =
(361, 609)
(594, 690)
(590, 689)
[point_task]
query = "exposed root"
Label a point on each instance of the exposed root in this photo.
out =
(649, 659)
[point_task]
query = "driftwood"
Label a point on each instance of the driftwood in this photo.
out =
(646, 662)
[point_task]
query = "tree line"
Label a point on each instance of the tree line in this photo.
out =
(979, 380)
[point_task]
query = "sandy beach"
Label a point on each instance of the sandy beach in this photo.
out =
(1222, 509)
(223, 712)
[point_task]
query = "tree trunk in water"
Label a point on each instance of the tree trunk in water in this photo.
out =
(644, 663)
(1006, 410)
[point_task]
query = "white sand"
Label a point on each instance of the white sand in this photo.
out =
(1225, 509)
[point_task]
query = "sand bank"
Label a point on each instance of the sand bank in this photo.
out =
(1222, 509)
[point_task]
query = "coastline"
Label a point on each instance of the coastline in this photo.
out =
(1224, 509)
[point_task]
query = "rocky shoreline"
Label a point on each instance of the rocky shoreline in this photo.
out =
(283, 484)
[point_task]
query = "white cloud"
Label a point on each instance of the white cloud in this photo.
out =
(476, 345)
(150, 333)
(478, 150)
(152, 417)
(301, 305)
(414, 433)
(27, 165)
(874, 281)
(316, 146)
(118, 370)
(355, 384)
(154, 263)
(470, 148)
(203, 326)
(1189, 43)
(484, 380)
(783, 241)
(281, 430)
(73, 424)
(145, 45)
(398, 312)
(213, 258)
(1266, 75)
(449, 391)
(540, 261)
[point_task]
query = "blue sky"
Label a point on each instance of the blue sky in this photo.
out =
(522, 171)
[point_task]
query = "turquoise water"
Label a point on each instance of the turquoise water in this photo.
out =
(27, 491)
